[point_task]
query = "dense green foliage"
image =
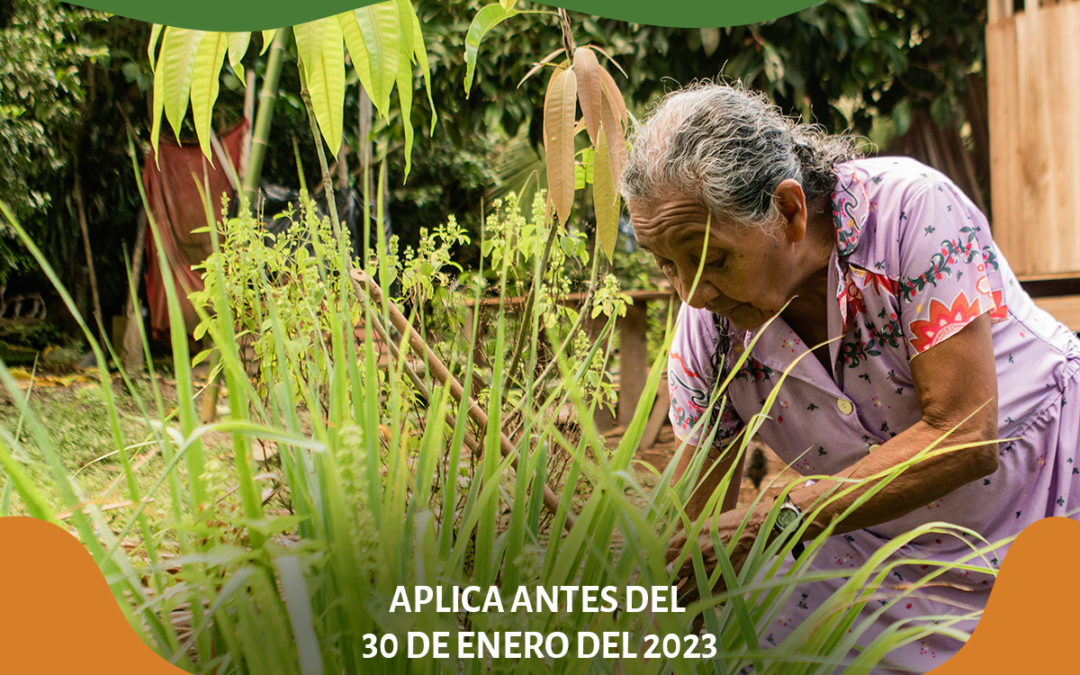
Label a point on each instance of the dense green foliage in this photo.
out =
(271, 541)
(42, 98)
(866, 66)
(345, 469)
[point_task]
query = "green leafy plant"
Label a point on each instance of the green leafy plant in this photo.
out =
(376, 493)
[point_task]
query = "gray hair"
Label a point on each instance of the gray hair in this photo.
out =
(729, 148)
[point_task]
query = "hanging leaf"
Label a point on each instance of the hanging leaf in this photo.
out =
(155, 33)
(583, 169)
(322, 59)
(560, 106)
(238, 46)
(774, 65)
(268, 39)
(381, 29)
(204, 84)
(614, 118)
(176, 60)
(586, 71)
(487, 18)
(405, 98)
(159, 108)
(405, 75)
(420, 54)
(605, 196)
(358, 53)
(405, 25)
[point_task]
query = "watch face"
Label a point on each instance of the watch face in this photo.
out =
(786, 517)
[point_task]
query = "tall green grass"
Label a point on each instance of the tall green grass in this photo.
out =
(284, 565)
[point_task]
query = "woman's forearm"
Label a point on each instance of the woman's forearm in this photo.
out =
(931, 476)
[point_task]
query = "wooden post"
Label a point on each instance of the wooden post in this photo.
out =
(633, 359)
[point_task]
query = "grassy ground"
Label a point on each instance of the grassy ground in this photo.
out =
(69, 406)
(70, 409)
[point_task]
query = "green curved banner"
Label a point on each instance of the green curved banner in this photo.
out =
(247, 15)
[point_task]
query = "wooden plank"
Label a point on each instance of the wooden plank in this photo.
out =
(998, 9)
(633, 360)
(1033, 64)
(1031, 141)
(1065, 308)
(1070, 28)
(1057, 112)
(1002, 96)
(657, 417)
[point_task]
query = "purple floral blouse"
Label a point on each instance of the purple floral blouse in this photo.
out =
(914, 263)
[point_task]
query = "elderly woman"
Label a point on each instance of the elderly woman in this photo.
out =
(780, 241)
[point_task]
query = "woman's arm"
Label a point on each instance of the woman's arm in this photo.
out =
(956, 386)
(712, 473)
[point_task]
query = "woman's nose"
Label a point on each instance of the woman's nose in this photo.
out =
(699, 295)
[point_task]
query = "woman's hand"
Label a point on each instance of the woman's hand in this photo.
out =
(726, 526)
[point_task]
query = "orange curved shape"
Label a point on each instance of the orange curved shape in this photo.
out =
(1030, 624)
(57, 614)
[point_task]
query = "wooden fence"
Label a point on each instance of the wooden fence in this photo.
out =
(1033, 78)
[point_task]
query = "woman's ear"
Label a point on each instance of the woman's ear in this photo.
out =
(791, 200)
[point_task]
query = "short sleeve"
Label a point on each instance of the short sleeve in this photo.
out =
(691, 377)
(948, 266)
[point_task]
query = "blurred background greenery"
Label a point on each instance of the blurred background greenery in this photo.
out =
(72, 80)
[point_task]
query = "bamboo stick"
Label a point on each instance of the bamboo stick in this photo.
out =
(443, 375)
(260, 136)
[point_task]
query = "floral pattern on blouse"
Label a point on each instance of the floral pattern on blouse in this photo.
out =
(914, 263)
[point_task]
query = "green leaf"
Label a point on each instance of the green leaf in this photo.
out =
(486, 19)
(238, 46)
(901, 115)
(176, 60)
(774, 65)
(940, 111)
(858, 20)
(421, 57)
(155, 33)
(267, 39)
(405, 25)
(204, 84)
(405, 98)
(322, 57)
(380, 26)
(358, 54)
(560, 108)
(159, 108)
(605, 197)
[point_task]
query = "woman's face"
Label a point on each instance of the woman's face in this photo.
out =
(748, 275)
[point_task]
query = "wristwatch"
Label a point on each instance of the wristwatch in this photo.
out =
(787, 520)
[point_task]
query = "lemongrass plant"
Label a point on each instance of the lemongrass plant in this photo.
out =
(290, 564)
